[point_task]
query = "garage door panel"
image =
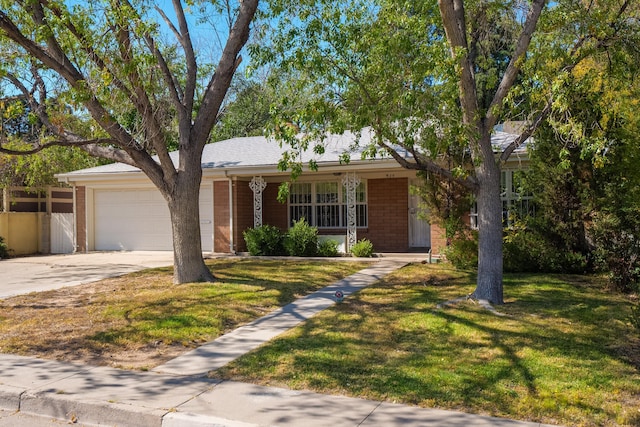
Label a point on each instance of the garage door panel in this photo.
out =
(139, 219)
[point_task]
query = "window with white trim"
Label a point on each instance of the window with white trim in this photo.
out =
(324, 204)
(517, 203)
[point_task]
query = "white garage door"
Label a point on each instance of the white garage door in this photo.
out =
(139, 220)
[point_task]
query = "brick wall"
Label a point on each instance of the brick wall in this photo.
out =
(438, 240)
(221, 235)
(243, 213)
(273, 212)
(388, 215)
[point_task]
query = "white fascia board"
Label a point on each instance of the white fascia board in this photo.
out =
(110, 179)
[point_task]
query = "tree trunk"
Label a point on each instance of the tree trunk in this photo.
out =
(489, 282)
(184, 206)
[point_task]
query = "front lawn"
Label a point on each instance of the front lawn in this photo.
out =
(563, 353)
(142, 320)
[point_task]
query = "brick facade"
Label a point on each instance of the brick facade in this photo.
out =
(438, 240)
(242, 213)
(387, 213)
(388, 201)
(221, 216)
(274, 212)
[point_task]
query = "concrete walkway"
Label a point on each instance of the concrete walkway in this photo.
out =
(35, 392)
(46, 272)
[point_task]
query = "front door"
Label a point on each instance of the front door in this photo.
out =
(419, 228)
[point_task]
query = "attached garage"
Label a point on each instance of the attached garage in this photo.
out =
(138, 220)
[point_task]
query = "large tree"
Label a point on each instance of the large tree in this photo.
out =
(133, 94)
(435, 78)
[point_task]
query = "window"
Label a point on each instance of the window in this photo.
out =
(516, 202)
(324, 204)
(327, 204)
(300, 205)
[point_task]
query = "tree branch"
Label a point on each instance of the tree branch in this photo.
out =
(175, 91)
(421, 162)
(511, 73)
(60, 63)
(192, 67)
(55, 143)
(453, 20)
(577, 57)
(221, 79)
(142, 103)
(528, 131)
(85, 45)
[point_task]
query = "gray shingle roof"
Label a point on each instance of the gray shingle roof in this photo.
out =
(255, 151)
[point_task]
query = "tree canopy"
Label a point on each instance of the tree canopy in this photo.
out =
(436, 77)
(124, 81)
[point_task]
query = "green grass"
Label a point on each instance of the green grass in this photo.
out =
(564, 353)
(198, 312)
(141, 320)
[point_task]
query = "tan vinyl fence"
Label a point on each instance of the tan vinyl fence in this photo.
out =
(23, 232)
(40, 222)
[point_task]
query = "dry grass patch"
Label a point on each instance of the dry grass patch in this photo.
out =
(141, 320)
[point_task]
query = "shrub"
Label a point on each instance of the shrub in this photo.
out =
(634, 317)
(463, 250)
(4, 250)
(363, 248)
(328, 248)
(264, 240)
(618, 250)
(527, 250)
(302, 239)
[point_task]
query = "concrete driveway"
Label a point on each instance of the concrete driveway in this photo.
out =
(41, 273)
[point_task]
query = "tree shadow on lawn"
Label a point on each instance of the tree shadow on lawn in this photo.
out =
(151, 314)
(576, 309)
(388, 342)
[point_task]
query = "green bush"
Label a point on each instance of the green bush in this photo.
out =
(618, 249)
(302, 239)
(264, 240)
(328, 248)
(363, 248)
(524, 250)
(463, 250)
(4, 250)
(529, 251)
(634, 317)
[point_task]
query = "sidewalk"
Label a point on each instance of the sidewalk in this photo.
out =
(178, 394)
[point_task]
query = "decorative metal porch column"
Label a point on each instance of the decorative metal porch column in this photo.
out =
(351, 182)
(257, 185)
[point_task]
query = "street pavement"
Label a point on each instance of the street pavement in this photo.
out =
(36, 392)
